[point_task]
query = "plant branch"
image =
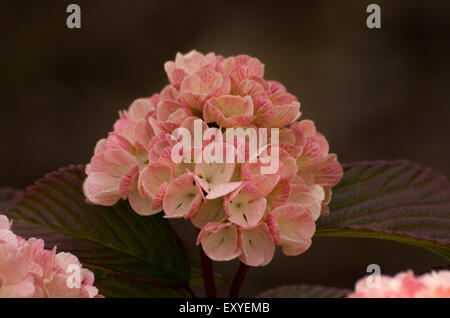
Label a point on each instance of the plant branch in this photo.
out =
(238, 279)
(190, 291)
(208, 274)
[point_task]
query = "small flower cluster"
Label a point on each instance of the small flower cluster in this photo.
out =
(28, 270)
(240, 211)
(406, 285)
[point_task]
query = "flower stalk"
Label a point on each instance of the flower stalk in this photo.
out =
(238, 280)
(208, 274)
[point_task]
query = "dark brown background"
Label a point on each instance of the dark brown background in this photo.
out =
(375, 94)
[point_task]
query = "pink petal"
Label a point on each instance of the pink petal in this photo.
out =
(142, 206)
(157, 146)
(273, 228)
(152, 177)
(183, 197)
(57, 288)
(101, 188)
(64, 260)
(125, 127)
(264, 111)
(170, 93)
(251, 172)
(309, 197)
(13, 265)
(223, 189)
(8, 237)
(197, 87)
(117, 141)
(330, 172)
(241, 67)
(211, 174)
(174, 74)
(179, 116)
(139, 108)
(229, 111)
(252, 87)
(114, 162)
(24, 289)
(257, 245)
(143, 134)
(275, 86)
(285, 114)
(158, 197)
(219, 241)
(311, 156)
(245, 206)
(126, 182)
(288, 165)
(291, 149)
(212, 211)
(296, 227)
(4, 222)
(100, 146)
(287, 135)
(165, 108)
(189, 124)
(194, 61)
(280, 194)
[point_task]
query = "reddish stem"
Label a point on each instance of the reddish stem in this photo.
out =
(208, 274)
(238, 279)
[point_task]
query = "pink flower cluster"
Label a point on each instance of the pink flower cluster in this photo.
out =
(406, 285)
(28, 270)
(240, 211)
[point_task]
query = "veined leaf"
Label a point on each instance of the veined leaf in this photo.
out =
(304, 291)
(396, 200)
(131, 255)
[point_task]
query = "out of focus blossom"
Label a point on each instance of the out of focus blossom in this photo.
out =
(28, 270)
(405, 285)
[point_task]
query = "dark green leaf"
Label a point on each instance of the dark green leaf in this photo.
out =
(396, 200)
(131, 255)
(304, 291)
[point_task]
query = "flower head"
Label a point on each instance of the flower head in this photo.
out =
(262, 198)
(28, 270)
(406, 285)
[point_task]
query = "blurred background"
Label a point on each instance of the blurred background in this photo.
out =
(375, 93)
